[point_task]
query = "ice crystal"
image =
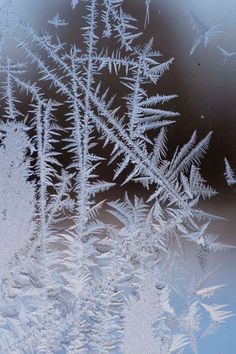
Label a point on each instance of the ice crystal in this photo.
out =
(72, 281)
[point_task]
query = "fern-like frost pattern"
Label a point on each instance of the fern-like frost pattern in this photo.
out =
(72, 281)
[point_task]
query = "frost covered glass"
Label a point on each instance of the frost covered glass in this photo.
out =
(112, 123)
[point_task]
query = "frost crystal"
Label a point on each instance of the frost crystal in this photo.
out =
(72, 281)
